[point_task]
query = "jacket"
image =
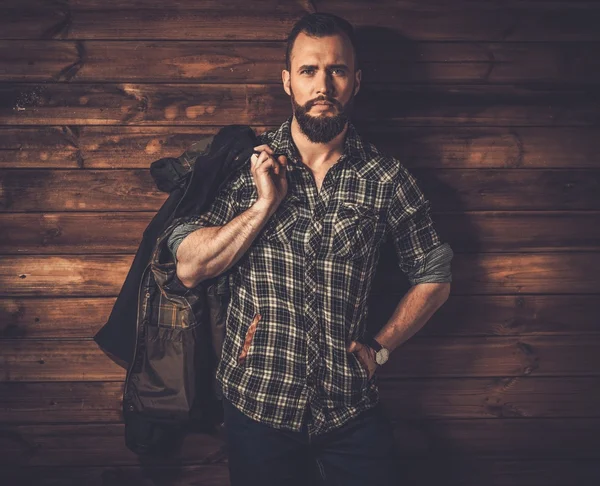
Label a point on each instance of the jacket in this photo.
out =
(167, 336)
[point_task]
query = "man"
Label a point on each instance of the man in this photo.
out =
(297, 235)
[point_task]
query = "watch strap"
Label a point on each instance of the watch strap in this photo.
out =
(373, 343)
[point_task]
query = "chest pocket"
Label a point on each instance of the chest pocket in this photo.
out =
(280, 227)
(353, 231)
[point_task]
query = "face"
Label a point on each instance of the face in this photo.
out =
(322, 71)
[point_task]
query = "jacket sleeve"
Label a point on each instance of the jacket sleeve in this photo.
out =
(422, 256)
(221, 211)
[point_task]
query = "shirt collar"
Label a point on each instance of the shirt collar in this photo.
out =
(282, 143)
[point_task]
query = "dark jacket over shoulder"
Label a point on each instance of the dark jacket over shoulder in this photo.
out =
(167, 336)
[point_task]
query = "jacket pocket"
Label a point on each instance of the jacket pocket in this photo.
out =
(248, 340)
(177, 312)
(353, 232)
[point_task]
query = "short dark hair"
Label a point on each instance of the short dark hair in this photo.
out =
(320, 25)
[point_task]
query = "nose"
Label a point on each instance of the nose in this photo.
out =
(325, 84)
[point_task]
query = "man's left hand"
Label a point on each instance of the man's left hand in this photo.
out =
(366, 356)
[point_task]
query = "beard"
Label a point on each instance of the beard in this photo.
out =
(322, 128)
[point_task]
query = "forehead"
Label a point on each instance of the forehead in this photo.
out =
(329, 49)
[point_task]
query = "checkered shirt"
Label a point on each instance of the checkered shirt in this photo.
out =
(299, 294)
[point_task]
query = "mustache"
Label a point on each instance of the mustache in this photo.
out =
(311, 103)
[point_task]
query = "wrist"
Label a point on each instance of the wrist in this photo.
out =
(264, 207)
(380, 353)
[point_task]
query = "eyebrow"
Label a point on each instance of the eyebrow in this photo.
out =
(314, 66)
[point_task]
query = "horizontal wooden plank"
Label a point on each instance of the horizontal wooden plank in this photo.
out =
(497, 273)
(477, 398)
(431, 398)
(509, 273)
(499, 315)
(40, 318)
(31, 360)
(73, 233)
(236, 20)
(455, 471)
(483, 232)
(80, 190)
(205, 475)
(133, 147)
(448, 190)
(85, 275)
(461, 315)
(87, 444)
(61, 402)
(102, 444)
(69, 147)
(221, 104)
(262, 62)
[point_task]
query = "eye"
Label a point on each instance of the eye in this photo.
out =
(306, 70)
(341, 71)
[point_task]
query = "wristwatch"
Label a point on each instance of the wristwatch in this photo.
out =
(381, 354)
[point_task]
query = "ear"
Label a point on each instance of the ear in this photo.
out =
(357, 78)
(285, 77)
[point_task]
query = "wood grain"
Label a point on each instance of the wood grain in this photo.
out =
(219, 104)
(417, 471)
(493, 106)
(262, 62)
(417, 398)
(79, 233)
(451, 190)
(102, 444)
(135, 147)
(236, 20)
(82, 360)
(508, 273)
(462, 315)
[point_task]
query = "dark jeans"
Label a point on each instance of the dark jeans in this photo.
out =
(361, 452)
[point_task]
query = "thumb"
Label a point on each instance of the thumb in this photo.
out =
(354, 346)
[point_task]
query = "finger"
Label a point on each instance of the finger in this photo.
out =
(267, 165)
(261, 158)
(254, 158)
(265, 148)
(268, 162)
(273, 163)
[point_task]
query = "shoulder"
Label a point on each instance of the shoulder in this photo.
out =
(382, 166)
(266, 136)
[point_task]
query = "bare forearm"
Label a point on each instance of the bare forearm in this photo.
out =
(208, 252)
(412, 313)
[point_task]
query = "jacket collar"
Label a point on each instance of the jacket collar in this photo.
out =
(282, 143)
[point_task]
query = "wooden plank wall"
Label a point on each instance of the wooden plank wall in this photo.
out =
(493, 105)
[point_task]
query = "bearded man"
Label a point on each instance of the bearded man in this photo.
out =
(297, 235)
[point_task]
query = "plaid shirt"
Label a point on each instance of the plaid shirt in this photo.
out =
(299, 294)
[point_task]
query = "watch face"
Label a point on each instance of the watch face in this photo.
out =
(382, 356)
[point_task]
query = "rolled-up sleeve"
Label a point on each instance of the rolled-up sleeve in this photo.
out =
(222, 210)
(422, 256)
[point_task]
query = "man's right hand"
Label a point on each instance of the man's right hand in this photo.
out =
(269, 176)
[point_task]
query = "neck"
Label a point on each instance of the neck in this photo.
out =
(313, 154)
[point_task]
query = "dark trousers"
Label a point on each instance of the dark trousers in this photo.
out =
(361, 452)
